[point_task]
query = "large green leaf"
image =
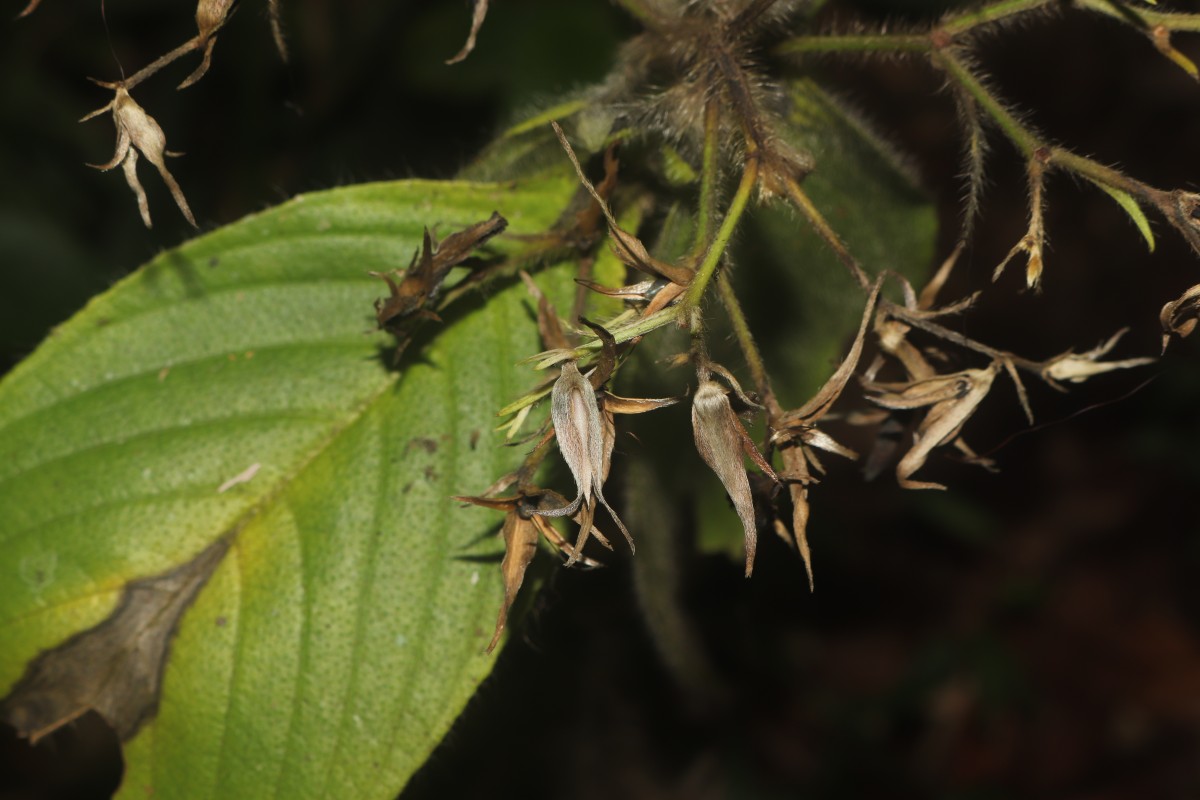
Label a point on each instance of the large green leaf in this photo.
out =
(342, 611)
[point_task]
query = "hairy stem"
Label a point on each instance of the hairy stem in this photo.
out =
(961, 74)
(704, 274)
(741, 332)
(826, 232)
(710, 178)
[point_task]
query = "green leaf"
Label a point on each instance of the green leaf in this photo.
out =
(223, 420)
(1131, 207)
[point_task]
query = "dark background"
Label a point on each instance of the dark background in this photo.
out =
(1034, 633)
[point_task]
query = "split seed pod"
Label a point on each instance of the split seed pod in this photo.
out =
(580, 430)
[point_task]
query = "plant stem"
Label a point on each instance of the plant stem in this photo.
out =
(741, 332)
(826, 232)
(1172, 21)
(1021, 136)
(961, 23)
(855, 43)
(709, 178)
(695, 290)
(195, 43)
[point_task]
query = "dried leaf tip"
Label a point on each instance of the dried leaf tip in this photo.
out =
(138, 131)
(722, 442)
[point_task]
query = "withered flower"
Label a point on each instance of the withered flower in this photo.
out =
(586, 446)
(522, 526)
(1078, 367)
(798, 433)
(138, 131)
(951, 399)
(210, 17)
(722, 442)
(582, 411)
(408, 303)
(1179, 316)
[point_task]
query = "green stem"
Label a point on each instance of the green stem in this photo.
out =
(854, 43)
(1172, 21)
(1021, 136)
(826, 232)
(741, 332)
(709, 178)
(961, 23)
(695, 290)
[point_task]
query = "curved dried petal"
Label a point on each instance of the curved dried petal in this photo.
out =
(720, 441)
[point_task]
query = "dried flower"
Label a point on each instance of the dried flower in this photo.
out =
(585, 446)
(408, 303)
(722, 442)
(138, 131)
(210, 17)
(1078, 367)
(522, 526)
(1179, 316)
(952, 399)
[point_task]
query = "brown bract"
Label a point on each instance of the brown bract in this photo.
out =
(520, 531)
(723, 443)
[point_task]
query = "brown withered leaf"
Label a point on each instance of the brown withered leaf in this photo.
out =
(116, 667)
(723, 443)
(812, 411)
(406, 307)
(30, 8)
(481, 9)
(951, 399)
(1180, 315)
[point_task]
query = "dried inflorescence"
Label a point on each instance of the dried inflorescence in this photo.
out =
(700, 82)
